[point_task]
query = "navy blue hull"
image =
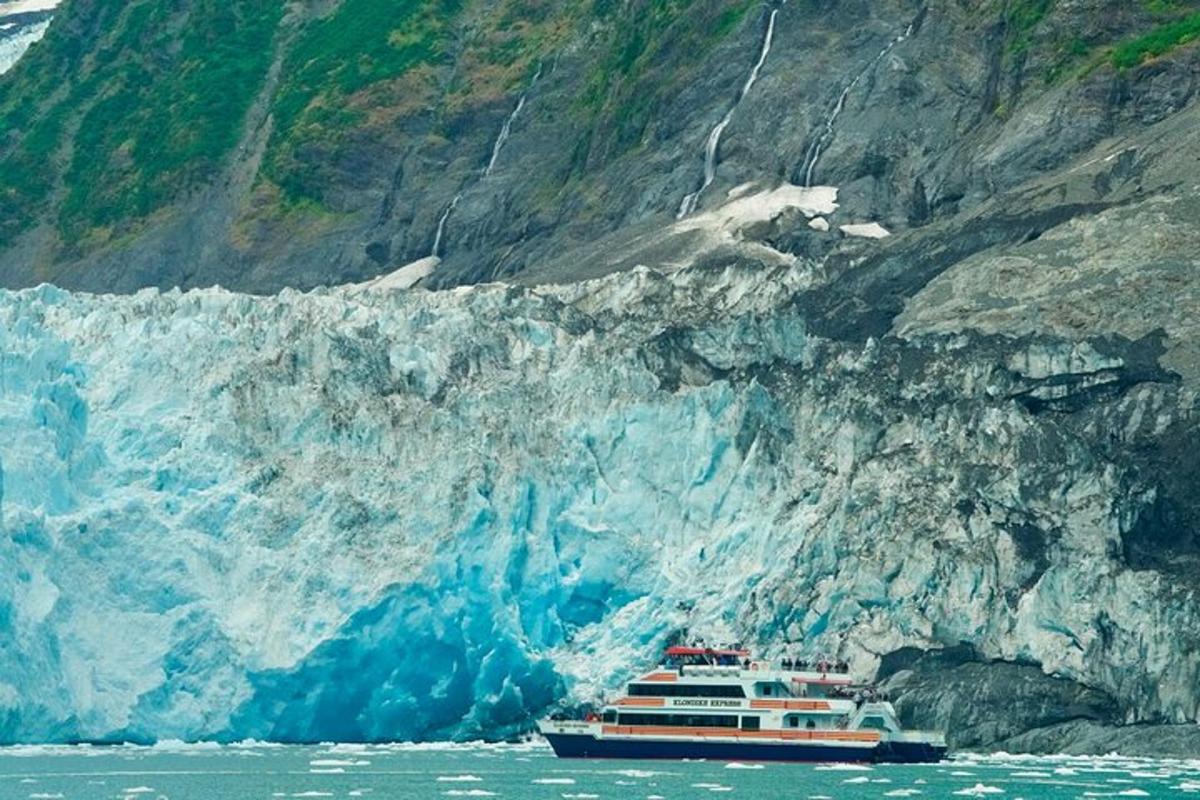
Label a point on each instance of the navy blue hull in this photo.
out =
(584, 746)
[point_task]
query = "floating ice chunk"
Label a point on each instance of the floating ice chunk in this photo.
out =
(978, 790)
(740, 765)
(866, 230)
(842, 768)
(564, 781)
(137, 790)
(468, 793)
(962, 774)
(863, 779)
(44, 796)
(902, 793)
(819, 224)
(313, 794)
(1029, 773)
(580, 796)
(459, 778)
(326, 770)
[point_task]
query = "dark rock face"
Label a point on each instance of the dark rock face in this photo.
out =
(939, 111)
(979, 703)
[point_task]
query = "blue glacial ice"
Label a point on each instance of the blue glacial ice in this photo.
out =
(406, 515)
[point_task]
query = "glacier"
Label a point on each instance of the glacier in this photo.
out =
(411, 515)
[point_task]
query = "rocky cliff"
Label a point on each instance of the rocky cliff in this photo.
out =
(262, 145)
(864, 327)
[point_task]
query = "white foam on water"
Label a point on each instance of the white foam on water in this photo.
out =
(44, 796)
(740, 765)
(337, 762)
(327, 771)
(313, 794)
(863, 779)
(468, 793)
(842, 768)
(902, 793)
(138, 790)
(459, 779)
(962, 774)
(581, 796)
(978, 790)
(881, 780)
(1029, 773)
(563, 781)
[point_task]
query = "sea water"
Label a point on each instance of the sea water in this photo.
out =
(265, 772)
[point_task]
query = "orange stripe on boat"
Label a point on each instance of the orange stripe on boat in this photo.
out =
(670, 677)
(655, 702)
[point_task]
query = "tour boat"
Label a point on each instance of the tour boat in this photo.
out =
(717, 703)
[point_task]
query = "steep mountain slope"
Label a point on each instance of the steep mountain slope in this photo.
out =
(242, 143)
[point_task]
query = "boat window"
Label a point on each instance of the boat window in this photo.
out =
(793, 721)
(680, 720)
(749, 723)
(875, 722)
(610, 716)
(810, 724)
(685, 690)
(766, 690)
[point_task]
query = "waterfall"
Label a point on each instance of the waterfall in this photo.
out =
(441, 226)
(714, 137)
(506, 128)
(821, 142)
(497, 146)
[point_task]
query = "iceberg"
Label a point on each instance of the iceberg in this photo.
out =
(407, 515)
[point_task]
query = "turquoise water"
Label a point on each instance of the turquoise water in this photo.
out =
(264, 772)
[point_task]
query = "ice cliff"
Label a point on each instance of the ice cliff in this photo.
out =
(357, 514)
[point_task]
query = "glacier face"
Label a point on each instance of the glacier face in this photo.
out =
(410, 515)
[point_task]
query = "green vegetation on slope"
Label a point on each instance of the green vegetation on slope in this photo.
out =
(650, 45)
(1158, 42)
(363, 44)
(151, 109)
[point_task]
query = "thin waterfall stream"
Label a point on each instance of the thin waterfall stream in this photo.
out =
(714, 137)
(817, 148)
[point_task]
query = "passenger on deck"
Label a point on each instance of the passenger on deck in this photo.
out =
(787, 664)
